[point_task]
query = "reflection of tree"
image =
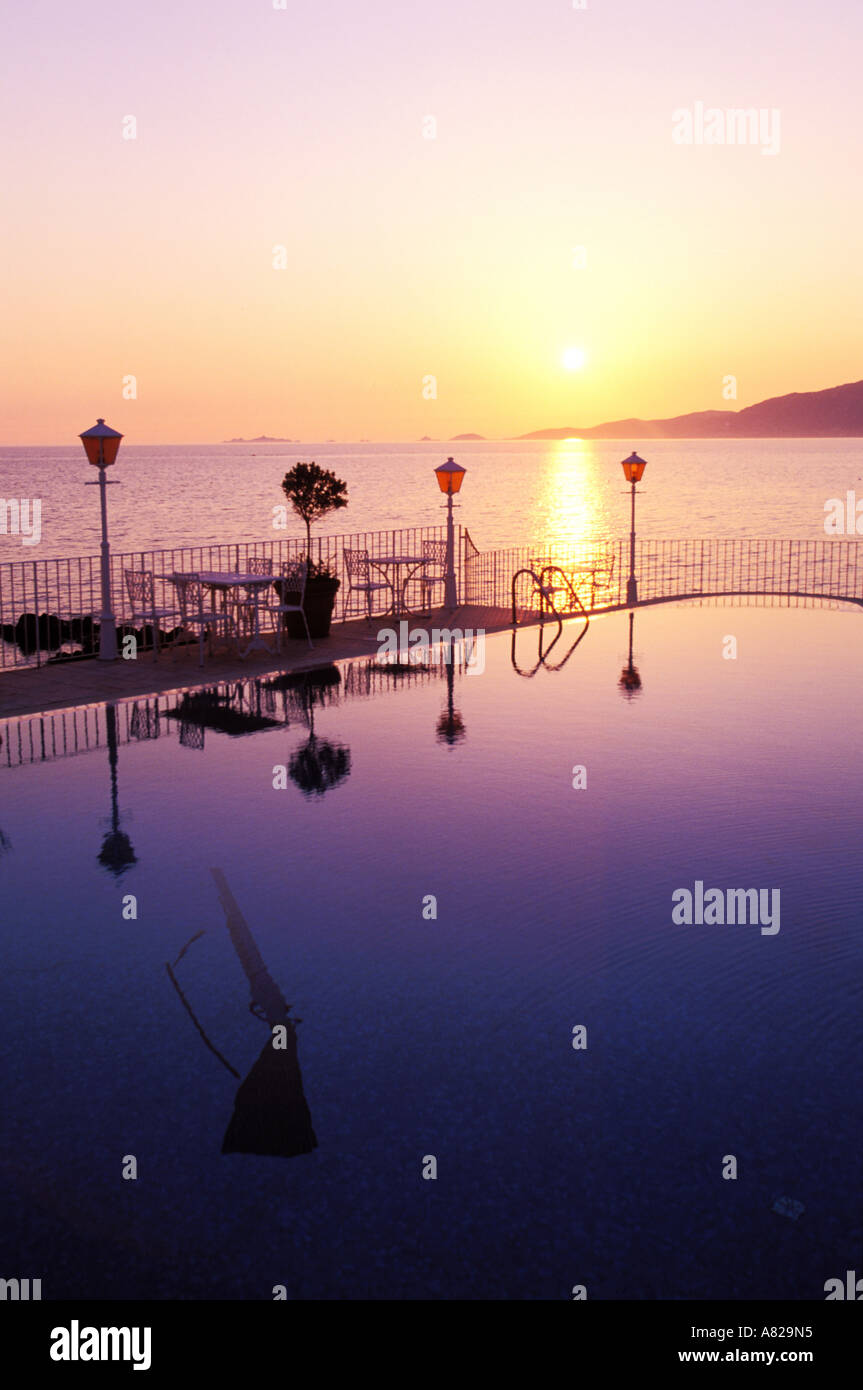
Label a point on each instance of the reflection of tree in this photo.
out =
(450, 725)
(630, 680)
(5, 843)
(319, 764)
(116, 854)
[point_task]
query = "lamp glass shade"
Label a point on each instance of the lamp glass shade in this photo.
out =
(633, 467)
(101, 444)
(449, 476)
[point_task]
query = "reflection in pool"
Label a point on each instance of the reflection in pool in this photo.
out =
(405, 856)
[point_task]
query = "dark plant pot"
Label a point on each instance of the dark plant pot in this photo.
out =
(319, 604)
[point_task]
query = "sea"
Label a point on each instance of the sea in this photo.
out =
(514, 492)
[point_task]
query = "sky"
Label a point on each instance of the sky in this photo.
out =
(430, 171)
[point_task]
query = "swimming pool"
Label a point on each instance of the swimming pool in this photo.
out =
(336, 809)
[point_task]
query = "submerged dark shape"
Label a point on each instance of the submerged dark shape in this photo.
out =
(271, 1115)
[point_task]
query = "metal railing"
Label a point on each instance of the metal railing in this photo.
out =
(50, 608)
(668, 570)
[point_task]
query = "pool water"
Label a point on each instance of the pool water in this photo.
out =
(334, 809)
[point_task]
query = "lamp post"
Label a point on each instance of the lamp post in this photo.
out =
(633, 467)
(100, 445)
(450, 476)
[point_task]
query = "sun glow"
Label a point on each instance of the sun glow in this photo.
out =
(571, 512)
(574, 359)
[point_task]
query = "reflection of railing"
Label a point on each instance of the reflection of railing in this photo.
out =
(42, 738)
(814, 570)
(254, 702)
(51, 606)
(364, 679)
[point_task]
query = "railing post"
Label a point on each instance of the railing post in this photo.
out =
(36, 607)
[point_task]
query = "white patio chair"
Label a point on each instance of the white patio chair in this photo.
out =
(357, 566)
(292, 579)
(255, 596)
(141, 588)
(434, 570)
(193, 613)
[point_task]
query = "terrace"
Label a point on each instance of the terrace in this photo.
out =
(49, 608)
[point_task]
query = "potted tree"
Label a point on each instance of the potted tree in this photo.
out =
(313, 492)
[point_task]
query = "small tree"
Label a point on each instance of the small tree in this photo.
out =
(313, 492)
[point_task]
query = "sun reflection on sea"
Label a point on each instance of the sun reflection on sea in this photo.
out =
(572, 506)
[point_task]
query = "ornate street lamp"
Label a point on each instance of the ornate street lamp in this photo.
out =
(633, 467)
(450, 476)
(100, 445)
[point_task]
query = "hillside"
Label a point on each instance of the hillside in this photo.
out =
(836, 412)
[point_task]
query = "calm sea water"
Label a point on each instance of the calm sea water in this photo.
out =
(449, 1037)
(514, 493)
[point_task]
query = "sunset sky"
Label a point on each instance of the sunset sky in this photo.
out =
(409, 257)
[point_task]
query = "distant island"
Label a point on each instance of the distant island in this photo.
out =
(836, 412)
(261, 439)
(456, 437)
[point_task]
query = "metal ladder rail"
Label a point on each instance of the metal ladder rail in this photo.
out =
(559, 665)
(548, 590)
(542, 653)
(545, 595)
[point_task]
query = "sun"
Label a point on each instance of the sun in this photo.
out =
(574, 359)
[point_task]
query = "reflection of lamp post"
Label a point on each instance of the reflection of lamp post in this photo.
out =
(630, 680)
(450, 725)
(100, 445)
(449, 476)
(117, 853)
(633, 467)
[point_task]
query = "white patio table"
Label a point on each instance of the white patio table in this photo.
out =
(225, 582)
(396, 563)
